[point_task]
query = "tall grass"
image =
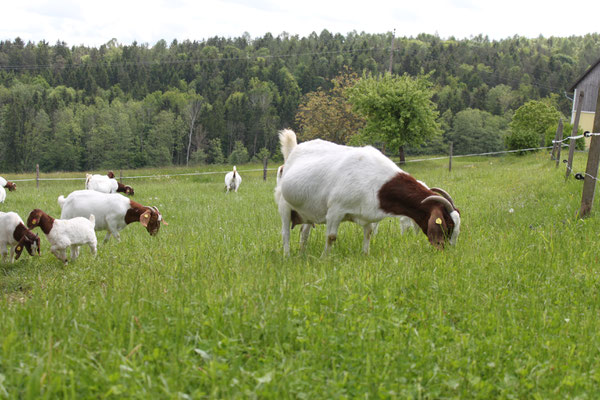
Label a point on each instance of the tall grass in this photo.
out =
(209, 308)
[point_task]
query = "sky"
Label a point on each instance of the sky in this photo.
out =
(93, 23)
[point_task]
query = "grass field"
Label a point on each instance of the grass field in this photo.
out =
(209, 308)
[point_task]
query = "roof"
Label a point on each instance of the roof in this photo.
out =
(591, 68)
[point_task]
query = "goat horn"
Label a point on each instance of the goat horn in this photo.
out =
(444, 194)
(440, 199)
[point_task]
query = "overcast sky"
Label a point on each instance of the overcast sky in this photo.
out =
(93, 23)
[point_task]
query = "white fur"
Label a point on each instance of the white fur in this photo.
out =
(3, 183)
(108, 208)
(232, 180)
(8, 222)
(329, 183)
(72, 233)
(101, 183)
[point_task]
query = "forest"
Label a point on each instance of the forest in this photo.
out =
(222, 100)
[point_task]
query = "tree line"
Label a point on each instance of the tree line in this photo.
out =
(224, 99)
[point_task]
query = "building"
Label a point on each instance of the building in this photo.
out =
(589, 82)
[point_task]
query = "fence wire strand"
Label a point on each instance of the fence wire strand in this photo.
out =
(491, 153)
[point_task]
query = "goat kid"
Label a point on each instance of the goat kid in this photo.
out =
(65, 233)
(113, 211)
(322, 182)
(15, 234)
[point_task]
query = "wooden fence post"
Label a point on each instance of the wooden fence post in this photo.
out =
(572, 142)
(37, 176)
(450, 161)
(591, 170)
(265, 161)
(555, 142)
(559, 136)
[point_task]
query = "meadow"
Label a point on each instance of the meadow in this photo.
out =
(210, 308)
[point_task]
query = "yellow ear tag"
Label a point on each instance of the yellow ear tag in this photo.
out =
(438, 221)
(33, 221)
(18, 248)
(146, 216)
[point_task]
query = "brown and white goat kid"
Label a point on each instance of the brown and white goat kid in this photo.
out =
(323, 182)
(113, 211)
(8, 185)
(65, 233)
(15, 234)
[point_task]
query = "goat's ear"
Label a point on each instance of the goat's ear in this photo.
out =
(145, 218)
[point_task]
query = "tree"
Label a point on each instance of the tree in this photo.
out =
(530, 123)
(476, 131)
(239, 155)
(398, 110)
(192, 112)
(327, 114)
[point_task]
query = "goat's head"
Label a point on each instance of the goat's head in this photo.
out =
(151, 219)
(34, 218)
(111, 174)
(31, 242)
(11, 186)
(444, 219)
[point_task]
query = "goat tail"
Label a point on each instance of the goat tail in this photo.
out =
(61, 200)
(287, 139)
(92, 219)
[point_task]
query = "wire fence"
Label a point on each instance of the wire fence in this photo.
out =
(157, 176)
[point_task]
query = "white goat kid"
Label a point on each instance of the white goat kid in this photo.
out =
(65, 233)
(322, 182)
(232, 180)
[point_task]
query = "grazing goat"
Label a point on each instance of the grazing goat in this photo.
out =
(323, 182)
(232, 180)
(8, 185)
(106, 184)
(65, 233)
(15, 234)
(113, 211)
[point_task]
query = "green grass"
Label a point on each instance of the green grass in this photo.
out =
(209, 308)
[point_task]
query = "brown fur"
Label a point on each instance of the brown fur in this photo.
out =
(25, 239)
(124, 189)
(147, 216)
(39, 218)
(402, 195)
(11, 186)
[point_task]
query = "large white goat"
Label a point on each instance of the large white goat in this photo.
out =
(322, 182)
(232, 180)
(65, 233)
(15, 234)
(113, 211)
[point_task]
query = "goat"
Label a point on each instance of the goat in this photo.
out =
(15, 234)
(232, 180)
(113, 211)
(106, 184)
(8, 185)
(65, 233)
(323, 182)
